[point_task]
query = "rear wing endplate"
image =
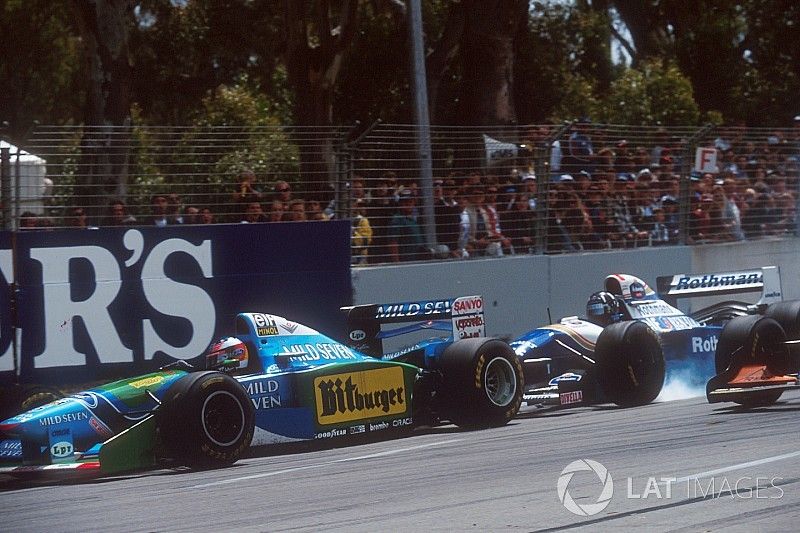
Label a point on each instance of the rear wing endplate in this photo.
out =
(364, 321)
(766, 280)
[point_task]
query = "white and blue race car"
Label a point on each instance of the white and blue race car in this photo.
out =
(632, 337)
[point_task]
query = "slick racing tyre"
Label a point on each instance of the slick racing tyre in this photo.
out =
(754, 339)
(206, 420)
(482, 383)
(630, 363)
(787, 314)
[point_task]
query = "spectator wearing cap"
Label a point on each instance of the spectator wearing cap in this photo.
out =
(530, 188)
(669, 207)
(405, 234)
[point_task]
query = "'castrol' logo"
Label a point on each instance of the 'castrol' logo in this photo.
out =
(704, 345)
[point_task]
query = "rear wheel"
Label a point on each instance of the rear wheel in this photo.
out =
(482, 382)
(758, 340)
(206, 420)
(630, 363)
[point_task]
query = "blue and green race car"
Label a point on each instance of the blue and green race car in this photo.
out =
(274, 381)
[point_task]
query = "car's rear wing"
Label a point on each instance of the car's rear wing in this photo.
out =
(766, 280)
(463, 317)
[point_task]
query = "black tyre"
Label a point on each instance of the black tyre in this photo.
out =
(787, 314)
(753, 339)
(206, 420)
(482, 383)
(630, 363)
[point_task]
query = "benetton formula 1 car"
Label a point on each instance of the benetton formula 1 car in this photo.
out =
(298, 385)
(633, 337)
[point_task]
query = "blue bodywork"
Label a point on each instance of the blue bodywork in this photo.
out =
(550, 352)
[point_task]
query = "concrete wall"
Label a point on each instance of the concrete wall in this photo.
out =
(519, 289)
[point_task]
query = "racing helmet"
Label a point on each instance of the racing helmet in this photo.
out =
(228, 353)
(602, 308)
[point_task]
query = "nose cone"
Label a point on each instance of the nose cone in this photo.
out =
(36, 422)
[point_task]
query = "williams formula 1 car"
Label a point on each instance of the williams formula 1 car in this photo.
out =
(632, 337)
(276, 381)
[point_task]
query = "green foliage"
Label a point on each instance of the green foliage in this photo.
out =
(40, 64)
(237, 128)
(654, 94)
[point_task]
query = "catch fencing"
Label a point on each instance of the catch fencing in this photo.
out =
(532, 189)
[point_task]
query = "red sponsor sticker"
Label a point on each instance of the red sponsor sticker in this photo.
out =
(567, 398)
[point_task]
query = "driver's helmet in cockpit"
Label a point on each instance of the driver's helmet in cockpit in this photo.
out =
(228, 353)
(603, 308)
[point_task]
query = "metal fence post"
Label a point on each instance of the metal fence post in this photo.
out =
(542, 168)
(686, 170)
(5, 186)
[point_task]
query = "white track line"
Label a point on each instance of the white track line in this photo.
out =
(739, 466)
(320, 465)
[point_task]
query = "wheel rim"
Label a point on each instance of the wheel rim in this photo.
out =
(500, 381)
(219, 420)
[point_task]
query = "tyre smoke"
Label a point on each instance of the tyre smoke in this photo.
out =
(686, 378)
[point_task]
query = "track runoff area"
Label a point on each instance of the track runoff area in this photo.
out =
(664, 466)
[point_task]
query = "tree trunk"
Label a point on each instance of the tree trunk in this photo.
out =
(487, 58)
(105, 29)
(313, 71)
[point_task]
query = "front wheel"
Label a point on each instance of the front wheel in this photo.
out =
(482, 382)
(630, 363)
(756, 340)
(206, 420)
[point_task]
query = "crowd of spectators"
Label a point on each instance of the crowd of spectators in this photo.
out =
(599, 192)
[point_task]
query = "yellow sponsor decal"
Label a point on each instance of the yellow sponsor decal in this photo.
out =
(359, 395)
(147, 382)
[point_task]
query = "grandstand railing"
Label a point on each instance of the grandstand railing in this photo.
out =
(497, 190)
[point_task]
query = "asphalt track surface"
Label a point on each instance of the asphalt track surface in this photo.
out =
(733, 470)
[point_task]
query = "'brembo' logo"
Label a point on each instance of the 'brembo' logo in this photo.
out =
(359, 395)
